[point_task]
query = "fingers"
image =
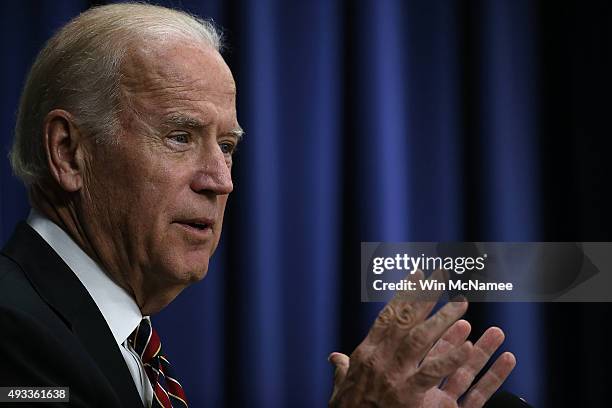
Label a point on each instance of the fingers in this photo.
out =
(459, 382)
(420, 339)
(341, 363)
(400, 314)
(490, 382)
(432, 371)
(399, 339)
(454, 336)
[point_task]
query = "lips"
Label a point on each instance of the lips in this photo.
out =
(196, 225)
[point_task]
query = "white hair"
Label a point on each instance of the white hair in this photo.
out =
(79, 70)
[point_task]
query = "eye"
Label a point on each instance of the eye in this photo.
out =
(227, 147)
(179, 137)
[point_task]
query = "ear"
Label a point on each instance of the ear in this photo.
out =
(64, 148)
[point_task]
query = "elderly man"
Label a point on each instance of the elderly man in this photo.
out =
(124, 139)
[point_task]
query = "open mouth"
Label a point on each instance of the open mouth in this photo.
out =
(196, 225)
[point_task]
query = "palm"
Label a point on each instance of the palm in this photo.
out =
(396, 365)
(457, 384)
(436, 398)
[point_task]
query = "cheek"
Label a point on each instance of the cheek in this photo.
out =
(151, 183)
(137, 198)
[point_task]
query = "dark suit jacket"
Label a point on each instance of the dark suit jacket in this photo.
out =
(51, 331)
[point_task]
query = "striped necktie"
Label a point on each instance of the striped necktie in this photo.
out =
(167, 391)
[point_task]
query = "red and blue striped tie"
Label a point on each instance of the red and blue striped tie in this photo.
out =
(167, 391)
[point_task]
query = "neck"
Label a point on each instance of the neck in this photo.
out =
(60, 208)
(63, 209)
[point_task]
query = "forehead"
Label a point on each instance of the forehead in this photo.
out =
(178, 74)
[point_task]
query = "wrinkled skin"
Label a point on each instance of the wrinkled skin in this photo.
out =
(149, 207)
(131, 206)
(411, 361)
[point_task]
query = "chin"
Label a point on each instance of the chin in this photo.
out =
(194, 270)
(198, 274)
(183, 268)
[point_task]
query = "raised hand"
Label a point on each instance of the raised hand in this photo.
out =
(456, 385)
(409, 360)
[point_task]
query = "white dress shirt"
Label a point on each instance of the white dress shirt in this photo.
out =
(118, 308)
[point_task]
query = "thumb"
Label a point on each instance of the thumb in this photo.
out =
(341, 363)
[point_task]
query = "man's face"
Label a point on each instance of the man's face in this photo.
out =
(156, 198)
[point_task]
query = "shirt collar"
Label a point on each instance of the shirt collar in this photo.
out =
(118, 308)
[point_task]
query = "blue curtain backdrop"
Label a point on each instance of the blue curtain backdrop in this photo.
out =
(378, 121)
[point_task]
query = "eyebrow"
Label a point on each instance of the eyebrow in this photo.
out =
(181, 120)
(185, 121)
(237, 132)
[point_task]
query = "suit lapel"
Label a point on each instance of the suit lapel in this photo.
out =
(62, 290)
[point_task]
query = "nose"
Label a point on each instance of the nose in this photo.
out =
(214, 176)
